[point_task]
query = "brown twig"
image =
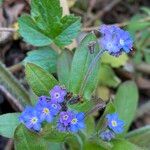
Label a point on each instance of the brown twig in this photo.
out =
(143, 67)
(12, 100)
(143, 109)
(7, 29)
(100, 13)
(88, 29)
(9, 145)
(15, 68)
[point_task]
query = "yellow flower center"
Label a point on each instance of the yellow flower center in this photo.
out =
(46, 111)
(34, 120)
(74, 121)
(114, 123)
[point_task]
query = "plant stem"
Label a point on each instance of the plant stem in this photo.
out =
(90, 69)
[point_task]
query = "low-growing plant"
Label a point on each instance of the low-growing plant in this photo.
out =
(60, 115)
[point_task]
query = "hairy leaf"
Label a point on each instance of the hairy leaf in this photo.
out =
(44, 57)
(115, 62)
(27, 140)
(40, 80)
(108, 77)
(64, 66)
(126, 101)
(46, 24)
(13, 86)
(8, 124)
(80, 64)
(124, 145)
(140, 136)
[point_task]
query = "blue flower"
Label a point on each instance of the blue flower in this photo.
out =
(115, 40)
(107, 135)
(58, 94)
(77, 122)
(45, 112)
(30, 118)
(114, 123)
(55, 108)
(125, 41)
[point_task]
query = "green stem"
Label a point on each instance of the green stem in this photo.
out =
(12, 85)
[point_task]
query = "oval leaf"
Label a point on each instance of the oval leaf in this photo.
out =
(27, 140)
(126, 101)
(8, 124)
(63, 67)
(80, 64)
(40, 80)
(44, 57)
(140, 137)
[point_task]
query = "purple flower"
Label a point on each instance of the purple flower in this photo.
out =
(114, 123)
(115, 40)
(77, 122)
(66, 117)
(107, 135)
(30, 118)
(61, 127)
(58, 94)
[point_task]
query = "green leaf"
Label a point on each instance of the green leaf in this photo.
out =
(110, 108)
(69, 30)
(89, 145)
(55, 146)
(51, 134)
(115, 62)
(63, 67)
(108, 77)
(44, 57)
(124, 145)
(80, 64)
(140, 137)
(40, 80)
(8, 124)
(31, 33)
(27, 140)
(74, 142)
(90, 125)
(126, 101)
(46, 24)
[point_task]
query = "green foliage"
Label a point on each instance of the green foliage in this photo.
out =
(110, 108)
(126, 101)
(40, 80)
(115, 62)
(45, 57)
(80, 64)
(124, 145)
(8, 124)
(108, 77)
(51, 134)
(140, 136)
(139, 27)
(46, 24)
(27, 140)
(64, 66)
(13, 86)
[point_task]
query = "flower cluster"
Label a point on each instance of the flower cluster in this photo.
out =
(71, 121)
(114, 126)
(49, 107)
(115, 40)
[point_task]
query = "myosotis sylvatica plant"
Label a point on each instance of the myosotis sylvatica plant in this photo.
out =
(61, 108)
